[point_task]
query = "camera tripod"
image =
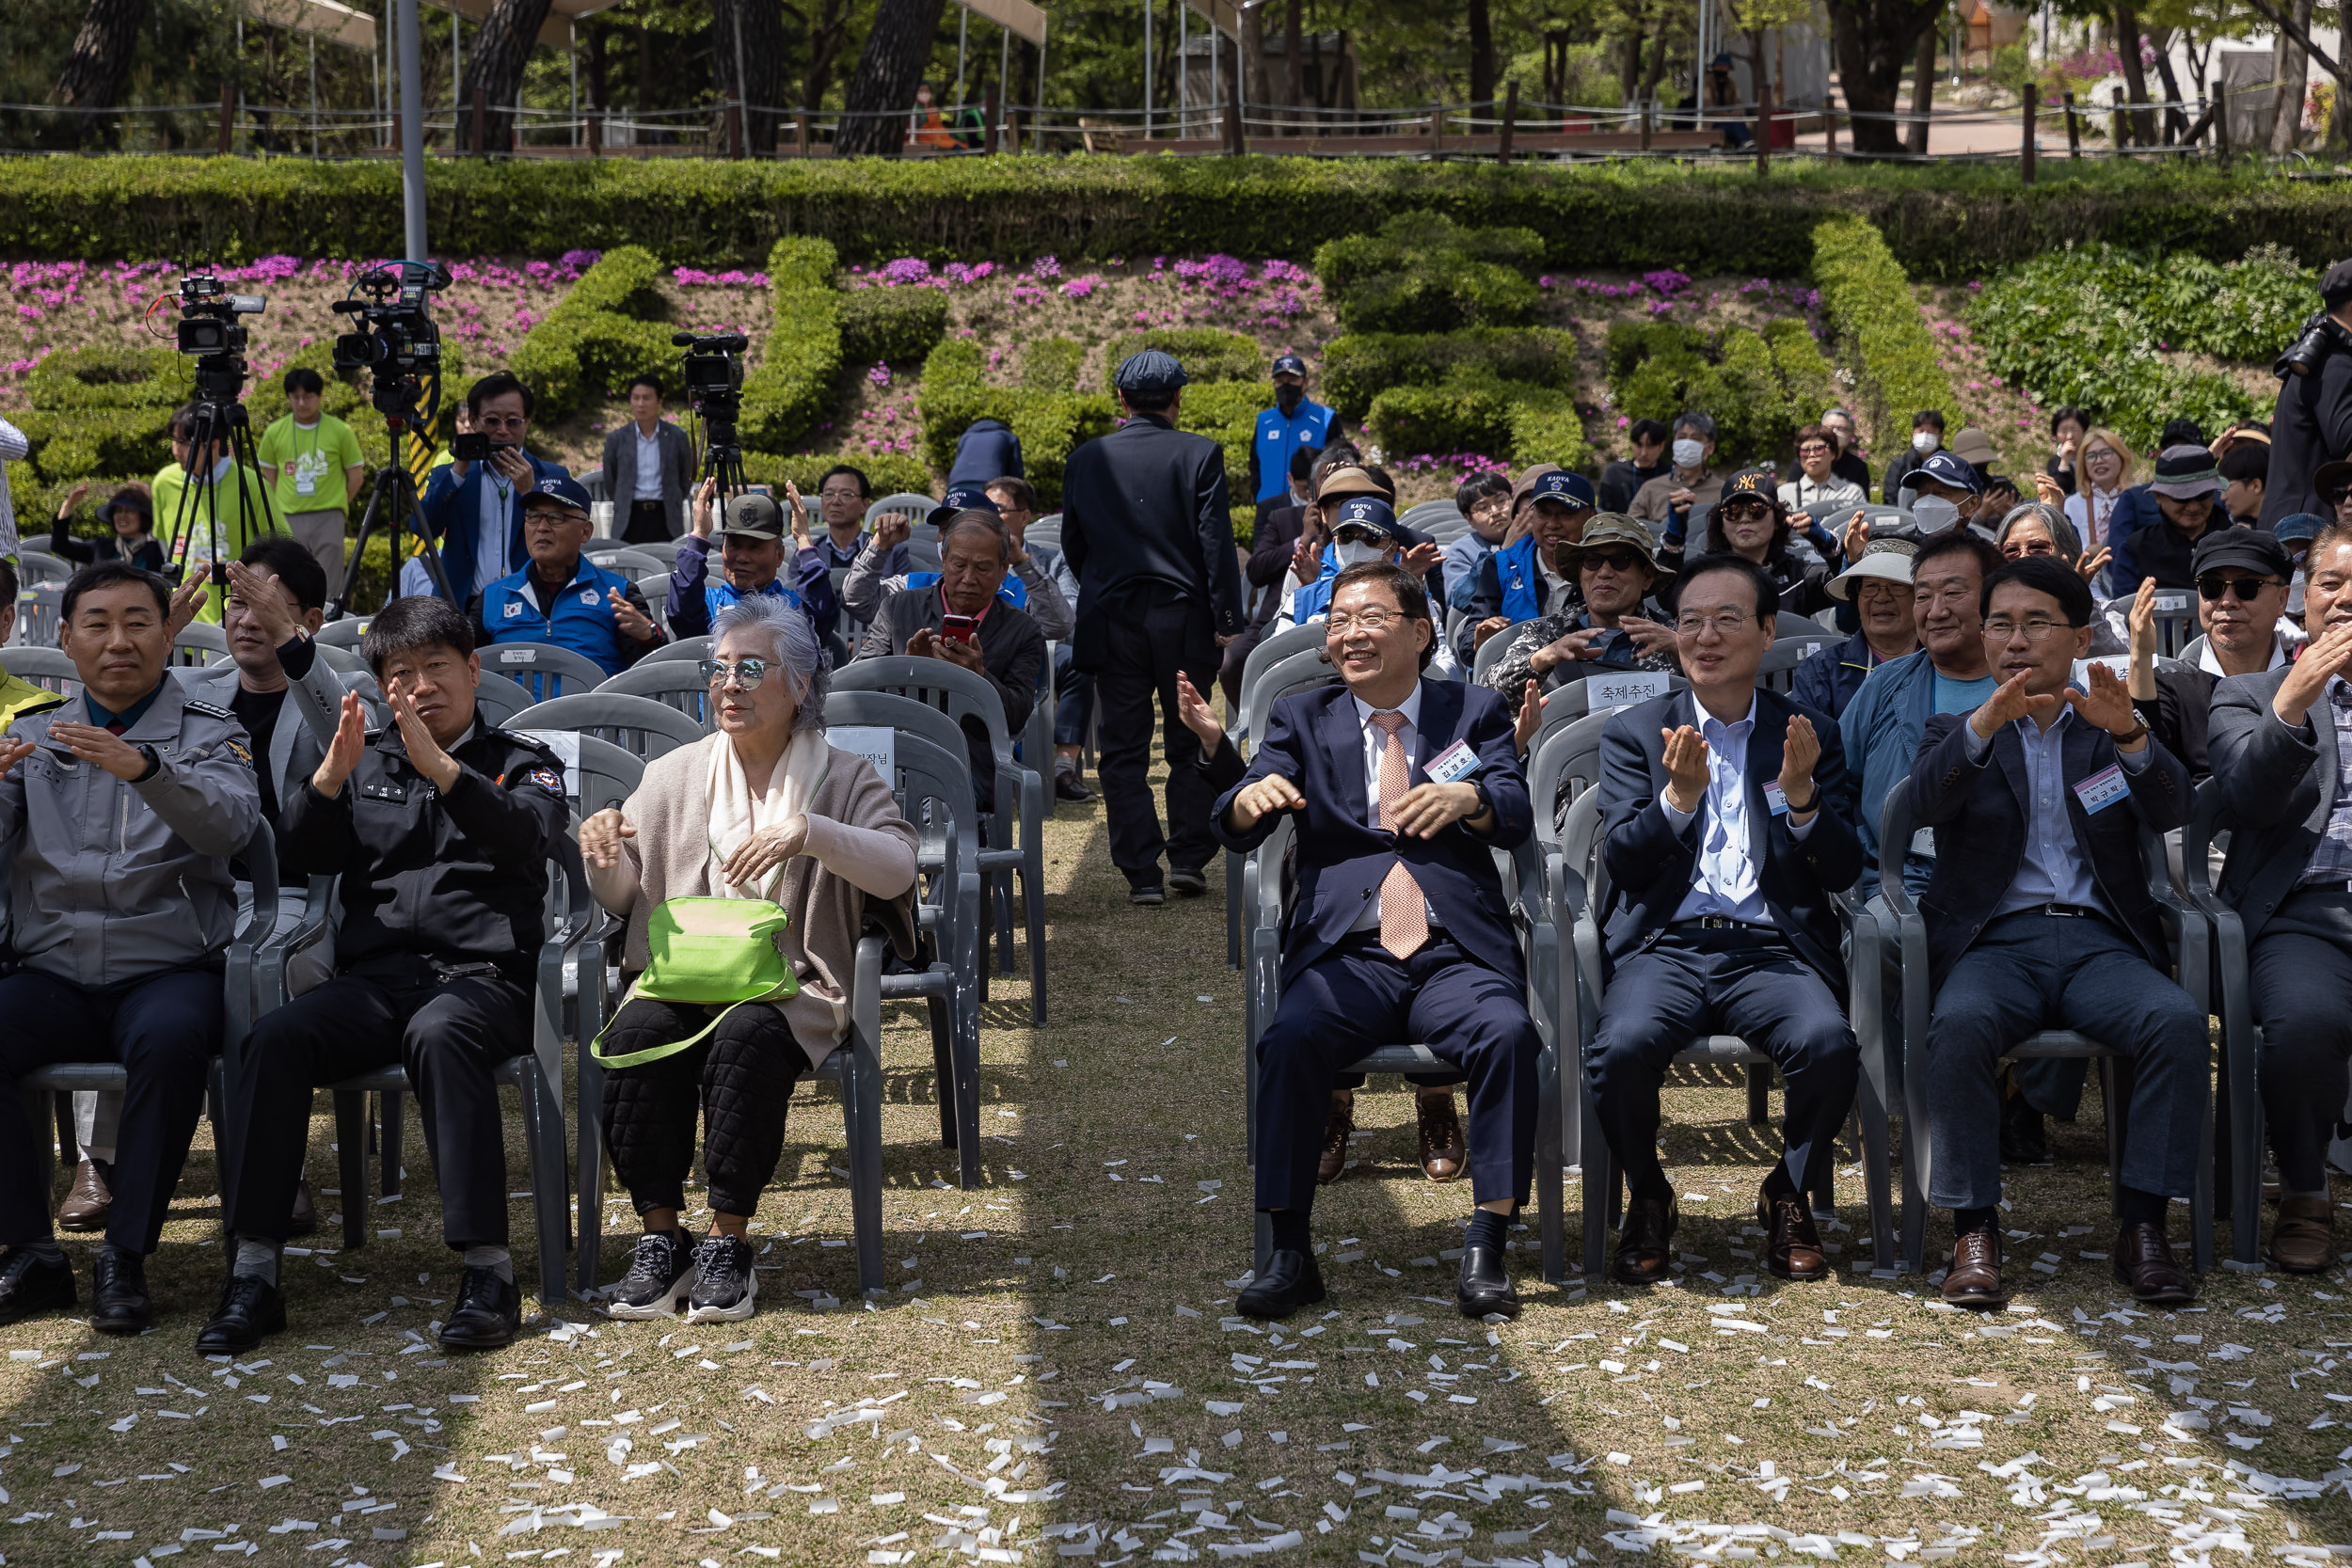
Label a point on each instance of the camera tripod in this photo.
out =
(221, 424)
(394, 503)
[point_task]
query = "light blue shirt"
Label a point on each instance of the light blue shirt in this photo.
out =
(2052, 872)
(1460, 565)
(1725, 882)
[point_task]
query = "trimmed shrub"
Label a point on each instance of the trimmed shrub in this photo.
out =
(1804, 371)
(1052, 365)
(111, 378)
(792, 387)
(1424, 274)
(1359, 367)
(1475, 410)
(1409, 239)
(890, 326)
(1629, 343)
(889, 472)
(1871, 305)
(608, 328)
(1207, 353)
(1547, 428)
(1756, 420)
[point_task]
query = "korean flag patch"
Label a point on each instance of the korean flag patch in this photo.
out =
(514, 611)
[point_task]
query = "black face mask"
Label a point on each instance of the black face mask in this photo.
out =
(1288, 398)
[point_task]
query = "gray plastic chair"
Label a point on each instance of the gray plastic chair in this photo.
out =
(498, 699)
(693, 648)
(632, 562)
(603, 775)
(35, 568)
(36, 618)
(541, 669)
(923, 555)
(1777, 672)
(1422, 517)
(673, 682)
(344, 633)
(2241, 1035)
(47, 667)
(1289, 650)
(1271, 650)
(343, 661)
(639, 725)
(201, 644)
(1491, 653)
(1301, 671)
(906, 504)
(1017, 842)
(656, 590)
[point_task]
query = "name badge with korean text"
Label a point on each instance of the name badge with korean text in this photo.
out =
(877, 743)
(2103, 788)
(1602, 693)
(1457, 761)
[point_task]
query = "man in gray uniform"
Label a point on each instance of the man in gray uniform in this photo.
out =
(127, 805)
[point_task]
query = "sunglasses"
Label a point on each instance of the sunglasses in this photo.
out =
(2335, 497)
(1616, 561)
(747, 674)
(1744, 511)
(2211, 588)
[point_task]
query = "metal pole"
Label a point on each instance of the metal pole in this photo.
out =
(571, 41)
(314, 95)
(1184, 69)
(2026, 154)
(1036, 133)
(963, 32)
(456, 83)
(1147, 70)
(742, 86)
(411, 132)
(1216, 62)
(376, 71)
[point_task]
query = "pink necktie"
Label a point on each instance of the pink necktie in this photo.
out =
(1403, 910)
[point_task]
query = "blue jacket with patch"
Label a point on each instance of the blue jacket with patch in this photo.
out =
(579, 617)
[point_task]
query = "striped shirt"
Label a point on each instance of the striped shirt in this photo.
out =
(2332, 861)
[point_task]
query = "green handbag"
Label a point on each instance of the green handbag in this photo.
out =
(712, 952)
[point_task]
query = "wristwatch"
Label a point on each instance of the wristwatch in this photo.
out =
(2138, 732)
(1807, 809)
(1486, 802)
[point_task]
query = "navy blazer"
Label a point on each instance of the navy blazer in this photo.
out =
(1978, 813)
(1313, 739)
(2280, 785)
(1148, 504)
(1652, 869)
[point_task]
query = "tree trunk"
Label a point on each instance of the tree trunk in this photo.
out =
(1873, 41)
(93, 74)
(2175, 121)
(494, 68)
(1922, 86)
(592, 75)
(896, 47)
(1629, 78)
(1294, 56)
(1482, 59)
(762, 41)
(825, 31)
(2286, 98)
(1656, 71)
(1256, 91)
(645, 72)
(2127, 44)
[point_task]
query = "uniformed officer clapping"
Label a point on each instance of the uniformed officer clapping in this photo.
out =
(439, 829)
(126, 805)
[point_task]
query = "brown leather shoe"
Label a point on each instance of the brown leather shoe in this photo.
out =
(2143, 1261)
(2303, 1239)
(304, 1217)
(1337, 1126)
(90, 1200)
(1792, 1247)
(1644, 1252)
(1442, 1151)
(1975, 1276)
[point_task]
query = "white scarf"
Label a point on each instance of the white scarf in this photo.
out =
(736, 813)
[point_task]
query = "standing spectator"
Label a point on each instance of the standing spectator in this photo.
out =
(1486, 500)
(1849, 465)
(14, 448)
(754, 553)
(475, 509)
(313, 460)
(2244, 475)
(2068, 427)
(1927, 439)
(1293, 421)
(131, 517)
(560, 596)
(1029, 585)
(215, 507)
(2187, 491)
(1646, 460)
(842, 497)
(2313, 421)
(1818, 490)
(648, 468)
(987, 448)
(1602, 629)
(1878, 585)
(1147, 528)
(1665, 502)
(1525, 577)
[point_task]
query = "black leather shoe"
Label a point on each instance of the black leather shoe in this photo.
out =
(1485, 1284)
(249, 1308)
(1290, 1282)
(119, 1302)
(1068, 788)
(29, 1285)
(489, 1313)
(1187, 882)
(1644, 1255)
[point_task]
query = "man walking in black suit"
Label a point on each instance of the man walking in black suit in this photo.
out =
(1147, 529)
(2039, 916)
(1724, 842)
(2281, 745)
(1397, 929)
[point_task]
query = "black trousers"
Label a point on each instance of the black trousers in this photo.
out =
(648, 523)
(739, 1076)
(165, 1029)
(1692, 982)
(1154, 636)
(451, 1035)
(2301, 981)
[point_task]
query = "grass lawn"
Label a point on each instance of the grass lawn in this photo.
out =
(1053, 1373)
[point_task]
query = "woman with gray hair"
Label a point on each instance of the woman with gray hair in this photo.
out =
(766, 809)
(2037, 528)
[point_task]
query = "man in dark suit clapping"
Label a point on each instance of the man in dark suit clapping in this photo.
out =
(1724, 842)
(2281, 745)
(2039, 916)
(1397, 929)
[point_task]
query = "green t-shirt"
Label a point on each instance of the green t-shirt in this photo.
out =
(220, 523)
(311, 464)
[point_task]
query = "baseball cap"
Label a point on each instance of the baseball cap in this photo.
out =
(1750, 485)
(2248, 548)
(566, 492)
(2303, 526)
(2185, 472)
(1611, 529)
(1368, 512)
(1524, 485)
(1290, 364)
(1888, 560)
(961, 497)
(1151, 372)
(1565, 488)
(1350, 481)
(753, 516)
(1948, 467)
(2335, 286)
(1973, 447)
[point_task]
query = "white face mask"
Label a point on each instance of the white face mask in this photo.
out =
(1924, 441)
(1356, 555)
(1934, 514)
(1688, 454)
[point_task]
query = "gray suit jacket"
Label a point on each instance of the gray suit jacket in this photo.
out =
(677, 470)
(298, 743)
(2281, 786)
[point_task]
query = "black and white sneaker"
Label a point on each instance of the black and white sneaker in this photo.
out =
(724, 1281)
(658, 1278)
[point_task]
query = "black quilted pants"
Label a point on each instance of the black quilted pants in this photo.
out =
(740, 1077)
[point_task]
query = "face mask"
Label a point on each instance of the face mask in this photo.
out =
(1288, 399)
(1356, 555)
(1924, 441)
(1934, 514)
(1688, 454)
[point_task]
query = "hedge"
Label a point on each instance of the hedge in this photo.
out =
(794, 385)
(1475, 410)
(1804, 370)
(1950, 222)
(1869, 303)
(889, 472)
(1207, 353)
(890, 326)
(1427, 274)
(1358, 367)
(1758, 387)
(607, 328)
(1052, 365)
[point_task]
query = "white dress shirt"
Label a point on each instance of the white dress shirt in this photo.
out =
(649, 465)
(1375, 743)
(1725, 882)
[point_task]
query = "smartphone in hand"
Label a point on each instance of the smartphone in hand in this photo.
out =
(958, 629)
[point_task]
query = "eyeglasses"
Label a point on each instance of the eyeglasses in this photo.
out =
(1373, 621)
(2097, 454)
(1744, 511)
(840, 493)
(746, 674)
(1813, 448)
(1353, 533)
(1616, 561)
(2213, 587)
(2035, 629)
(2335, 496)
(1729, 623)
(485, 422)
(542, 518)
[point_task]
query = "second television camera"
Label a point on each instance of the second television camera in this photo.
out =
(396, 340)
(714, 385)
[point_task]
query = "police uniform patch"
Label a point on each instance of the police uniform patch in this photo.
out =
(548, 778)
(237, 749)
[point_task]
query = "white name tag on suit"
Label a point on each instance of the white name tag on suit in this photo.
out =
(1776, 798)
(1623, 690)
(2103, 788)
(1457, 761)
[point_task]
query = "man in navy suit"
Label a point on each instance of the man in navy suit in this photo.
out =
(2039, 916)
(2281, 745)
(1723, 839)
(1397, 929)
(475, 509)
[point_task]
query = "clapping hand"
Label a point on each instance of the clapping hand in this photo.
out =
(796, 518)
(1428, 808)
(1197, 717)
(416, 737)
(186, 598)
(264, 599)
(2328, 654)
(1798, 753)
(1650, 637)
(2143, 619)
(342, 753)
(601, 836)
(1423, 559)
(67, 507)
(704, 494)
(2008, 704)
(1531, 716)
(103, 747)
(1487, 628)
(765, 851)
(2049, 492)
(12, 752)
(1269, 795)
(1686, 769)
(1856, 534)
(2091, 565)
(2107, 704)
(891, 530)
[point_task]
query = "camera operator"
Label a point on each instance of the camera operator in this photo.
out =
(475, 509)
(2314, 419)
